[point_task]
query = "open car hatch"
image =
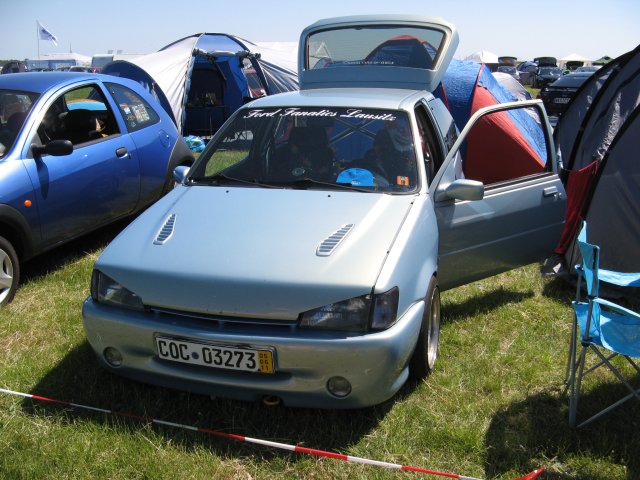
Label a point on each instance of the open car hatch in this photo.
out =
(411, 52)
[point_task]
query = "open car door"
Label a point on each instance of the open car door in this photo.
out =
(498, 197)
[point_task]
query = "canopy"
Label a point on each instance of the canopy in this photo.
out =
(207, 76)
(483, 56)
(575, 57)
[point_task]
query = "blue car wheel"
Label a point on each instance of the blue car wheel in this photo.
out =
(9, 271)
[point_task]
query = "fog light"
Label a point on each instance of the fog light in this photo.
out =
(112, 356)
(339, 386)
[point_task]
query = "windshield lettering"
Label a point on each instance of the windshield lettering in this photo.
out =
(368, 116)
(304, 147)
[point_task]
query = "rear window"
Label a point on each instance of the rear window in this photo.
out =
(137, 113)
(14, 107)
(411, 47)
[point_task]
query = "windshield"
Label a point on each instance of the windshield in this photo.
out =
(14, 107)
(313, 148)
(550, 71)
(571, 81)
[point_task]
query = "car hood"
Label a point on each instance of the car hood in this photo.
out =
(253, 252)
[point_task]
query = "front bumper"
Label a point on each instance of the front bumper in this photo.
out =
(375, 363)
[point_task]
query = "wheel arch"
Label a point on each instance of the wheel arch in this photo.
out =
(15, 228)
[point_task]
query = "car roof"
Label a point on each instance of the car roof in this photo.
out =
(579, 74)
(376, 98)
(40, 82)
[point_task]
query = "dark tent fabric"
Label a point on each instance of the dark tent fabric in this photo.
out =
(205, 77)
(489, 156)
(122, 68)
(598, 138)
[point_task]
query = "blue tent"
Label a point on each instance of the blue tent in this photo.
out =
(515, 148)
(202, 79)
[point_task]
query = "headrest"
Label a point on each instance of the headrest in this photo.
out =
(81, 119)
(309, 136)
(15, 121)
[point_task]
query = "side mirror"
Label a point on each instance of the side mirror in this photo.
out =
(180, 174)
(463, 189)
(57, 148)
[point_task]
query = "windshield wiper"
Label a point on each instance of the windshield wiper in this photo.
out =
(306, 182)
(221, 178)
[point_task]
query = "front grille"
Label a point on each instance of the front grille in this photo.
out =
(221, 322)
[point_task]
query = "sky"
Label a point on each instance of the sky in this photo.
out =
(591, 28)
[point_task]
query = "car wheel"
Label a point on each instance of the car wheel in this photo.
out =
(9, 271)
(424, 356)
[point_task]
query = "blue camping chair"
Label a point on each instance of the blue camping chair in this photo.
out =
(603, 327)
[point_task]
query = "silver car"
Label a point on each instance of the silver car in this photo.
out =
(301, 258)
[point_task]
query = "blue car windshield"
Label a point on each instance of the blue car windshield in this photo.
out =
(313, 148)
(14, 107)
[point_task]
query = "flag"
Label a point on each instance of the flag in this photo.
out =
(46, 34)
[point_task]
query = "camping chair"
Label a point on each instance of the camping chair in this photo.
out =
(605, 328)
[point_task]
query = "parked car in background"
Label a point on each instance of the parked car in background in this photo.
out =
(588, 69)
(546, 75)
(301, 258)
(78, 68)
(77, 151)
(558, 94)
(509, 70)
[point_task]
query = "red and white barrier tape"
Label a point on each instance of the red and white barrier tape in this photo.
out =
(268, 443)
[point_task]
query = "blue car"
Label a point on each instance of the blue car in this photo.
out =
(77, 151)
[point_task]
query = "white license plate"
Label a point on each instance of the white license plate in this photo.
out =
(561, 100)
(215, 356)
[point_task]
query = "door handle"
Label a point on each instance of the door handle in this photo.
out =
(122, 152)
(550, 192)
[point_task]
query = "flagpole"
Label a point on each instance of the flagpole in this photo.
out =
(38, 38)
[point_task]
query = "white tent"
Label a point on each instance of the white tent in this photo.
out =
(574, 57)
(511, 84)
(483, 56)
(204, 78)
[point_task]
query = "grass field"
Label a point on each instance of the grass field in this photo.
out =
(494, 408)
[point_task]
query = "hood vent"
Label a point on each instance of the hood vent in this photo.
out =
(166, 231)
(328, 246)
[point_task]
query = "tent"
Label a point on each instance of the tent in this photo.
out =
(483, 56)
(202, 79)
(574, 60)
(514, 86)
(602, 60)
(491, 157)
(597, 138)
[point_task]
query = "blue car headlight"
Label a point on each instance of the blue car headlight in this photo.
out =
(358, 314)
(107, 291)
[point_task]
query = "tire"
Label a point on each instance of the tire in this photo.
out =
(9, 271)
(424, 356)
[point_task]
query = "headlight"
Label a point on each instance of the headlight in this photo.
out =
(107, 291)
(358, 314)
